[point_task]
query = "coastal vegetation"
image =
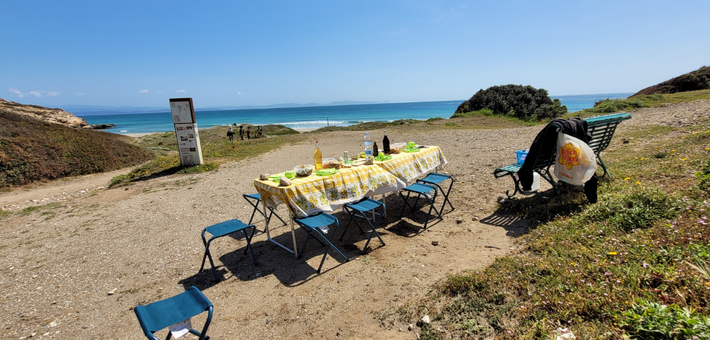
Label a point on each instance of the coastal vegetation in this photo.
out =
(522, 102)
(640, 101)
(34, 150)
(691, 81)
(634, 265)
(216, 149)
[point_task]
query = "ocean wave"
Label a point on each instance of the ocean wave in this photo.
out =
(313, 122)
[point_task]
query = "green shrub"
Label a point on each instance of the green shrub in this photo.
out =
(651, 320)
(523, 102)
(639, 208)
(615, 105)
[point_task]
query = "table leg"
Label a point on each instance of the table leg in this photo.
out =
(293, 237)
(268, 235)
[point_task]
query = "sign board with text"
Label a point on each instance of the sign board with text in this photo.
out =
(188, 138)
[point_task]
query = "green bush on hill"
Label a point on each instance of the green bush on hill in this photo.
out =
(33, 150)
(523, 102)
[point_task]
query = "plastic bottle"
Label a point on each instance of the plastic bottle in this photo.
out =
(368, 150)
(386, 143)
(318, 158)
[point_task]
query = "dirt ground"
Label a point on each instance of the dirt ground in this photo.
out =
(76, 266)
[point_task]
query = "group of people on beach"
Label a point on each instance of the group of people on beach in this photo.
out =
(230, 133)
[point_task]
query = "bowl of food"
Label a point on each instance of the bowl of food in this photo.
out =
(329, 163)
(303, 170)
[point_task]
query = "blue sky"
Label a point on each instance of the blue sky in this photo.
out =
(232, 53)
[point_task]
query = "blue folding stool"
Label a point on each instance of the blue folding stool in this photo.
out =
(317, 226)
(164, 313)
(421, 190)
(360, 208)
(435, 179)
(224, 229)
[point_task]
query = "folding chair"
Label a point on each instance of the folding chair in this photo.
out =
(317, 226)
(435, 179)
(161, 314)
(224, 229)
(360, 208)
(421, 190)
(254, 200)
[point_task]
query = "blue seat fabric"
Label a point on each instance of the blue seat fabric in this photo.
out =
(222, 229)
(360, 208)
(161, 314)
(312, 225)
(435, 179)
(421, 190)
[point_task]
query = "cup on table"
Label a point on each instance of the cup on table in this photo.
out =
(290, 174)
(346, 157)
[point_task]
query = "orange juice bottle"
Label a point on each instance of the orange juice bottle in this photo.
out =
(318, 158)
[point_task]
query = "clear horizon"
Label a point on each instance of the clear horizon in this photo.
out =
(261, 54)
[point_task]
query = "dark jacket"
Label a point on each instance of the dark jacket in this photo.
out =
(544, 146)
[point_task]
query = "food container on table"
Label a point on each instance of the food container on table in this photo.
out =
(303, 170)
(397, 147)
(329, 163)
(520, 155)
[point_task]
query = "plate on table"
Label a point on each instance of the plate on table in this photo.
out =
(327, 172)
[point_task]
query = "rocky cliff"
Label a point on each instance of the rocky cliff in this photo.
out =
(56, 116)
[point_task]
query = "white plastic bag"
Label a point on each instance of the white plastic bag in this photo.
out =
(576, 162)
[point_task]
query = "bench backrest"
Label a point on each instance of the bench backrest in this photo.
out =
(602, 129)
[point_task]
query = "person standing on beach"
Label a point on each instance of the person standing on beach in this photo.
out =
(230, 134)
(241, 132)
(258, 132)
(248, 132)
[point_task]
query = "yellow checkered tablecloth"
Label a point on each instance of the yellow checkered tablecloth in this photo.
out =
(407, 166)
(312, 194)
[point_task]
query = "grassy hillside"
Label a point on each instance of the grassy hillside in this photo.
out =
(33, 150)
(640, 101)
(216, 149)
(691, 81)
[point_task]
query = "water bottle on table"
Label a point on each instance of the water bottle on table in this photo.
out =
(368, 149)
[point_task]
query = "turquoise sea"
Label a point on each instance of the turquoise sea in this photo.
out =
(308, 117)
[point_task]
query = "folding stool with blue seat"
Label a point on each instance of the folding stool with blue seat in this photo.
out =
(161, 314)
(360, 208)
(436, 179)
(223, 229)
(317, 226)
(428, 191)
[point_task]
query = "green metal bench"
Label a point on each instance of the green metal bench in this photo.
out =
(601, 129)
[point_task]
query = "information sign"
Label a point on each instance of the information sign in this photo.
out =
(188, 138)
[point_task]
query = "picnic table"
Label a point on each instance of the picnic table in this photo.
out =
(312, 194)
